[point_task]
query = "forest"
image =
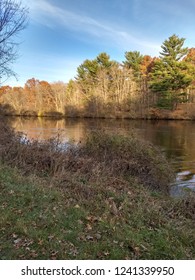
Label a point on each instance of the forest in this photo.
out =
(140, 87)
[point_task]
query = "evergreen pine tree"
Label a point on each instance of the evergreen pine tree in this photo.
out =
(171, 75)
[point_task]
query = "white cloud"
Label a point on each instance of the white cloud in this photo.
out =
(52, 16)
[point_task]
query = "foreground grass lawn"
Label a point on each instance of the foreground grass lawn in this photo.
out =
(86, 219)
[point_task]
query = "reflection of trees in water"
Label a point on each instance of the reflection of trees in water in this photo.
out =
(171, 137)
(46, 128)
(176, 138)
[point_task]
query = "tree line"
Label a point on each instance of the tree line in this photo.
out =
(104, 87)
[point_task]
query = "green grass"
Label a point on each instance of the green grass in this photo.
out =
(41, 219)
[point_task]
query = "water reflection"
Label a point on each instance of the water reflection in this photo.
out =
(44, 128)
(175, 138)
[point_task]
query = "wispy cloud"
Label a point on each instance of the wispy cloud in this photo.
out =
(52, 16)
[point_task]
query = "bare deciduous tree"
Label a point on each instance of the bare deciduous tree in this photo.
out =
(13, 19)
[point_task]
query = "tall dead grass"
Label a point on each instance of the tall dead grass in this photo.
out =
(127, 156)
(101, 155)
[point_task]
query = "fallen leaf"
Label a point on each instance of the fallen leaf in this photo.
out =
(89, 227)
(40, 242)
(114, 209)
(89, 237)
(98, 236)
(17, 241)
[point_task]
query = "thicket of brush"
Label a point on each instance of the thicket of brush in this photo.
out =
(102, 154)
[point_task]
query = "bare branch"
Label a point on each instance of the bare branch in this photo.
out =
(13, 19)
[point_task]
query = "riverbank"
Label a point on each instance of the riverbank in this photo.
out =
(183, 111)
(104, 199)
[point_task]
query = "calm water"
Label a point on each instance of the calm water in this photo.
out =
(175, 138)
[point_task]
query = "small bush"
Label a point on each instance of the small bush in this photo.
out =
(129, 156)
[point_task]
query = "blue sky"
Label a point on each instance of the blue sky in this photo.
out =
(61, 34)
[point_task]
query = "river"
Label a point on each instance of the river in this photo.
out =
(175, 138)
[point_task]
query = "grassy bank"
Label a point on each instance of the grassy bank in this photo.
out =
(104, 199)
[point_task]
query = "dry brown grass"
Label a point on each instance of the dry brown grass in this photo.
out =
(102, 155)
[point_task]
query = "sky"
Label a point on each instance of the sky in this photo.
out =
(61, 34)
